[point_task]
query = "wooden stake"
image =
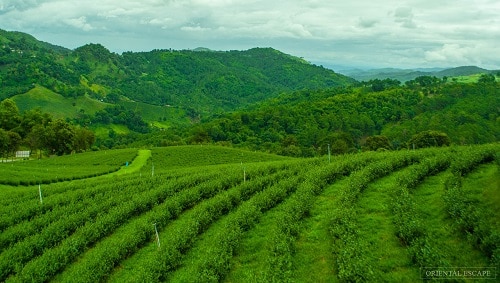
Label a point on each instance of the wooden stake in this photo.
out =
(40, 192)
(157, 236)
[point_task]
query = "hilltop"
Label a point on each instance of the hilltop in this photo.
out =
(404, 75)
(199, 82)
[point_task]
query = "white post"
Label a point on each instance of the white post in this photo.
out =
(152, 169)
(40, 193)
(157, 236)
(244, 175)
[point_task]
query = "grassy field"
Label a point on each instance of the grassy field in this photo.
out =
(212, 214)
(56, 104)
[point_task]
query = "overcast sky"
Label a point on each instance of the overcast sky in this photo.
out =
(332, 33)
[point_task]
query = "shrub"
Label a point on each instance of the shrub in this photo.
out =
(429, 139)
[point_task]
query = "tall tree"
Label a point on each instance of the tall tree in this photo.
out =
(9, 115)
(61, 135)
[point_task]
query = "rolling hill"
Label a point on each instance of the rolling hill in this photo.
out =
(404, 75)
(200, 82)
(260, 99)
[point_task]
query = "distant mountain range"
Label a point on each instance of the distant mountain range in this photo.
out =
(404, 75)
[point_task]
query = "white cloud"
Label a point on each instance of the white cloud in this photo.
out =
(80, 23)
(420, 33)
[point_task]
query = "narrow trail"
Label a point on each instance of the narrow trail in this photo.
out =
(139, 161)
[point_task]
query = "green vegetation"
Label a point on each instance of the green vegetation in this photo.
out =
(65, 168)
(396, 179)
(38, 131)
(197, 82)
(461, 74)
(305, 122)
(201, 155)
(258, 99)
(224, 214)
(56, 104)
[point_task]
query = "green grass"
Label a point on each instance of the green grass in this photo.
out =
(102, 131)
(135, 166)
(56, 104)
(160, 116)
(484, 183)
(314, 260)
(386, 253)
(452, 246)
(466, 79)
(251, 260)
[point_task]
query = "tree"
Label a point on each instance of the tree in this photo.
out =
(32, 118)
(486, 79)
(429, 139)
(4, 143)
(9, 115)
(14, 142)
(37, 138)
(377, 142)
(83, 139)
(60, 137)
(380, 85)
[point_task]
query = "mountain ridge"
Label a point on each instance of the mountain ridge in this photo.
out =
(404, 75)
(192, 79)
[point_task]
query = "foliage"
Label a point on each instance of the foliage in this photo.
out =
(305, 122)
(378, 142)
(429, 139)
(101, 229)
(64, 168)
(467, 212)
(38, 131)
(280, 103)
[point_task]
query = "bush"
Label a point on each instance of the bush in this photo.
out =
(378, 143)
(429, 139)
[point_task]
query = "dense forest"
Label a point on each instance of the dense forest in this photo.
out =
(37, 131)
(304, 123)
(261, 99)
(197, 81)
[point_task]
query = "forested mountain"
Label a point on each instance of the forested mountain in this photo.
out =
(304, 123)
(200, 82)
(260, 99)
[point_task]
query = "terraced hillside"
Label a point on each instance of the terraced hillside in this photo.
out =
(236, 216)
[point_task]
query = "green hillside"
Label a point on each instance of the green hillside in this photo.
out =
(56, 104)
(404, 75)
(258, 99)
(370, 217)
(304, 123)
(198, 82)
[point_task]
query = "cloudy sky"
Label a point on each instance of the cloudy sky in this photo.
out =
(333, 33)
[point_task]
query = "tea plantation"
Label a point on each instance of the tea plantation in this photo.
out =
(211, 214)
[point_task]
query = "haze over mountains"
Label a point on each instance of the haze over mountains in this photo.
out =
(404, 75)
